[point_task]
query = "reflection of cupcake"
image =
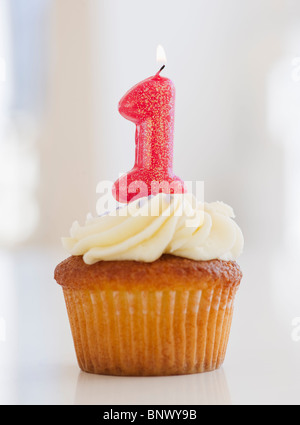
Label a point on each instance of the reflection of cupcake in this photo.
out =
(152, 294)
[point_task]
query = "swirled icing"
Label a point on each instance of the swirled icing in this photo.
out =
(145, 229)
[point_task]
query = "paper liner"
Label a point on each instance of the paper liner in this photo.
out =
(150, 332)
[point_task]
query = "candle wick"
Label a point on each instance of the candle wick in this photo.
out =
(160, 70)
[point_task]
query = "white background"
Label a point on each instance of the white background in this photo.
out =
(235, 68)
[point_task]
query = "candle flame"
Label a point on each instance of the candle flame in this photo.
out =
(161, 55)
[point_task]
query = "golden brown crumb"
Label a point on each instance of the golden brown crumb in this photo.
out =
(167, 272)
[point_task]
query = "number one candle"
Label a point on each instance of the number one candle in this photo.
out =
(151, 106)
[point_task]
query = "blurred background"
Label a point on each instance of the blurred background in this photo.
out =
(64, 66)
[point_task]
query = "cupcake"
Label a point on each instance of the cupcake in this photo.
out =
(150, 287)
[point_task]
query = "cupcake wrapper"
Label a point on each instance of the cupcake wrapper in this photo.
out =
(150, 332)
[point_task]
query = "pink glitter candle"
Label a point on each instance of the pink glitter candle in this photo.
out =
(151, 106)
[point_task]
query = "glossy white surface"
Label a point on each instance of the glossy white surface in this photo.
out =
(38, 365)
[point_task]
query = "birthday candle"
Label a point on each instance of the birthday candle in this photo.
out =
(150, 105)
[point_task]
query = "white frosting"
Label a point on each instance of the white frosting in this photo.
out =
(145, 229)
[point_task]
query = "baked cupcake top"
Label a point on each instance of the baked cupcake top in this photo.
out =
(149, 227)
(168, 272)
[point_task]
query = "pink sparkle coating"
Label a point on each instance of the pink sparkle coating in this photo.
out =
(151, 106)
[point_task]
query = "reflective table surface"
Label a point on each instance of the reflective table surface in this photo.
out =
(38, 363)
